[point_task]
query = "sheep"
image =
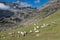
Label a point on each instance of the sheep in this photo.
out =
(25, 32)
(18, 32)
(2, 36)
(53, 22)
(22, 33)
(37, 27)
(36, 31)
(10, 33)
(30, 31)
(44, 25)
(47, 24)
(34, 24)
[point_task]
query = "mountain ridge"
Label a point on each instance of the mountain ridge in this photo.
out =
(32, 14)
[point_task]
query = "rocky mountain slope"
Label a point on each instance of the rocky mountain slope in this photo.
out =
(27, 15)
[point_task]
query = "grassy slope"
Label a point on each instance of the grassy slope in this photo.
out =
(51, 32)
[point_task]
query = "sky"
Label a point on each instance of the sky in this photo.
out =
(32, 3)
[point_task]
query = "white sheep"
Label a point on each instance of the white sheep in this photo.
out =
(9, 33)
(42, 26)
(36, 31)
(25, 32)
(37, 27)
(34, 24)
(4, 37)
(47, 24)
(30, 31)
(22, 33)
(53, 22)
(18, 32)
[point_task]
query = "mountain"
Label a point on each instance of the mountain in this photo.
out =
(13, 16)
(12, 10)
(18, 5)
(51, 31)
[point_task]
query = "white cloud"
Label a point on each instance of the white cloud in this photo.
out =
(24, 4)
(37, 1)
(4, 7)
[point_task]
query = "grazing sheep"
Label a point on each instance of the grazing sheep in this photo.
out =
(18, 32)
(53, 22)
(36, 31)
(34, 24)
(30, 31)
(42, 26)
(25, 32)
(10, 33)
(37, 27)
(47, 24)
(22, 33)
(2, 36)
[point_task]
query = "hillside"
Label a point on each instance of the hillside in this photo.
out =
(50, 32)
(26, 16)
(31, 24)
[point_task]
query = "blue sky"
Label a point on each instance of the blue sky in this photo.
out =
(33, 3)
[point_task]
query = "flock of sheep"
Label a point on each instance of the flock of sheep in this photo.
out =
(24, 33)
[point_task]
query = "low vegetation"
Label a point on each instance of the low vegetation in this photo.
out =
(49, 32)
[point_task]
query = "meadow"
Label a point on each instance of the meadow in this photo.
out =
(50, 32)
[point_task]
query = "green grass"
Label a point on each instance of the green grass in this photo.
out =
(51, 32)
